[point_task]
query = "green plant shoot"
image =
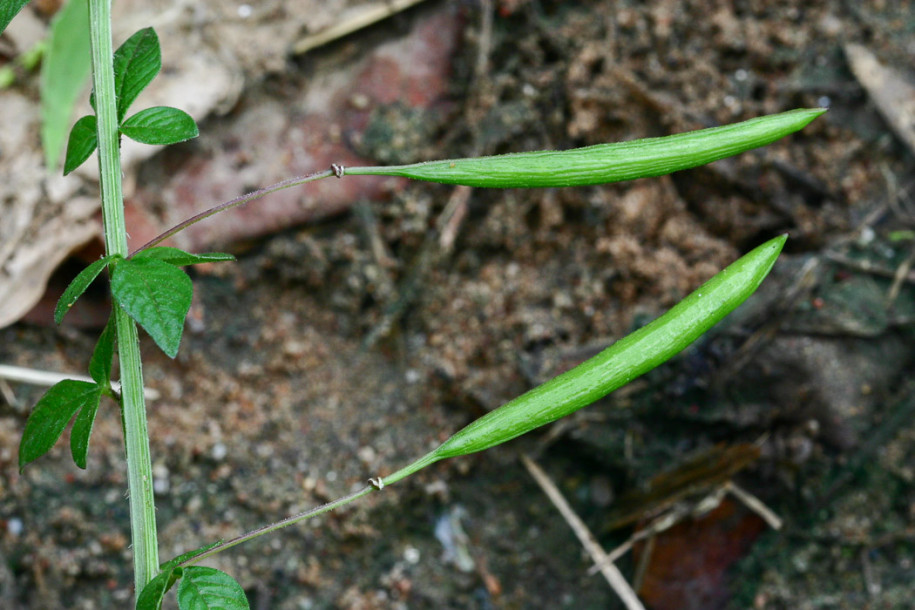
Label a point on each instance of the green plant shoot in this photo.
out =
(150, 289)
(628, 358)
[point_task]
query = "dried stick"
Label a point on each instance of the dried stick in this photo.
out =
(608, 569)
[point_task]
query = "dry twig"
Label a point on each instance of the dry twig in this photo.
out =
(607, 568)
(47, 378)
(352, 21)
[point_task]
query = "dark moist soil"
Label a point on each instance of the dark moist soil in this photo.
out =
(345, 349)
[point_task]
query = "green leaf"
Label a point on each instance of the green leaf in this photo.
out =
(204, 588)
(154, 592)
(82, 430)
(160, 125)
(603, 163)
(78, 286)
(64, 73)
(157, 296)
(136, 63)
(100, 364)
(173, 563)
(83, 142)
(8, 10)
(179, 258)
(51, 415)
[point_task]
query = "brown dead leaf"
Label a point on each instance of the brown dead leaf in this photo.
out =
(42, 218)
(893, 95)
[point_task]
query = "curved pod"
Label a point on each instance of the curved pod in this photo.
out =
(603, 163)
(628, 358)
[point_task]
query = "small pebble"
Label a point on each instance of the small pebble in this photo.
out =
(15, 527)
(411, 555)
(219, 451)
(366, 455)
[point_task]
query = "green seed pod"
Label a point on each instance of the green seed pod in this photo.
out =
(628, 358)
(603, 163)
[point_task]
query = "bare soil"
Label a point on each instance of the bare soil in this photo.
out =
(346, 347)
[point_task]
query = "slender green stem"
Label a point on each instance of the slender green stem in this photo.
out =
(272, 527)
(376, 484)
(228, 205)
(427, 460)
(136, 436)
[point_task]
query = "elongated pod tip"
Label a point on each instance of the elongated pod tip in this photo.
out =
(812, 113)
(774, 247)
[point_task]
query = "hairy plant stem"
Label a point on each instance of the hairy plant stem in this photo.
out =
(234, 203)
(376, 484)
(272, 527)
(136, 436)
